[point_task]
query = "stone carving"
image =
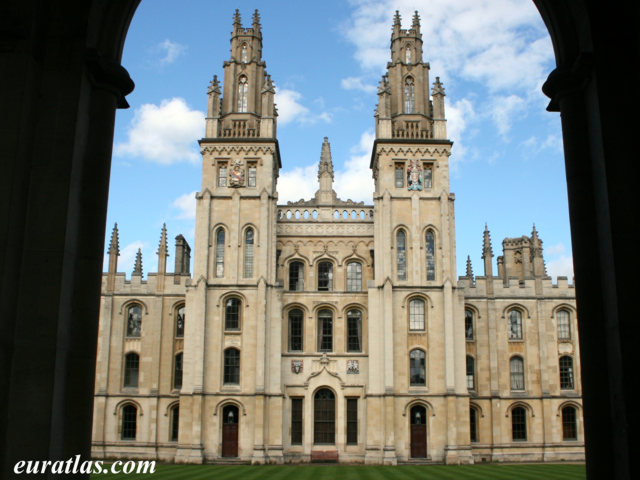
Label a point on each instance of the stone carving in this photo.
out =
(236, 175)
(296, 366)
(353, 367)
(324, 229)
(414, 175)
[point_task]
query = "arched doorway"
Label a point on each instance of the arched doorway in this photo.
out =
(324, 417)
(418, 432)
(230, 431)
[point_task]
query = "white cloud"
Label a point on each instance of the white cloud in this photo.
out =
(561, 266)
(164, 134)
(356, 83)
(503, 110)
(354, 181)
(297, 183)
(459, 114)
(186, 205)
(291, 109)
(172, 50)
(554, 249)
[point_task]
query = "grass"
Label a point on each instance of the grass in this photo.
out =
(341, 472)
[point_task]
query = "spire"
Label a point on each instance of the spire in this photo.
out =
(137, 268)
(326, 165)
(163, 251)
(469, 267)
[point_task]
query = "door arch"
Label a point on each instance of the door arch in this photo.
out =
(230, 419)
(418, 431)
(324, 417)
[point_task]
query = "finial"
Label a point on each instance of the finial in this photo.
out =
(162, 247)
(137, 268)
(437, 87)
(214, 86)
(326, 164)
(256, 20)
(486, 243)
(114, 245)
(383, 86)
(268, 85)
(396, 19)
(236, 18)
(469, 267)
(416, 21)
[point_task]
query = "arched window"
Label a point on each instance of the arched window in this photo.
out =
(325, 330)
(296, 276)
(174, 417)
(177, 372)
(296, 329)
(417, 367)
(354, 331)
(231, 366)
(354, 277)
(515, 325)
(134, 320)
(131, 366)
(248, 253)
(324, 417)
(518, 424)
(569, 423)
(430, 249)
(407, 54)
(566, 372)
(325, 276)
(180, 318)
(220, 252)
(232, 314)
(129, 418)
(244, 54)
(471, 374)
(564, 325)
(416, 314)
(516, 369)
(409, 95)
(468, 325)
(401, 252)
(243, 93)
(473, 424)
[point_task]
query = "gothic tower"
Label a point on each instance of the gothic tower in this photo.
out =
(232, 291)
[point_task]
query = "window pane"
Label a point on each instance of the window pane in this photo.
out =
(416, 314)
(243, 93)
(409, 98)
(296, 421)
(417, 367)
(354, 331)
(134, 321)
(430, 248)
(248, 253)
(515, 325)
(325, 276)
(129, 414)
(352, 421)
(518, 424)
(517, 373)
(220, 253)
(180, 317)
(325, 331)
(566, 373)
(399, 175)
(354, 277)
(231, 366)
(131, 366)
(564, 327)
(177, 372)
(428, 176)
(222, 175)
(175, 422)
(296, 276)
(473, 424)
(252, 176)
(569, 424)
(295, 330)
(468, 324)
(401, 252)
(470, 373)
(232, 314)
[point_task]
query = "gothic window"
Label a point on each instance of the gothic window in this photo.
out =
(231, 366)
(569, 424)
(473, 424)
(232, 314)
(175, 422)
(516, 369)
(134, 320)
(251, 180)
(296, 276)
(222, 174)
(354, 277)
(325, 330)
(177, 372)
(430, 249)
(515, 325)
(296, 421)
(220, 252)
(324, 417)
(427, 173)
(248, 253)
(417, 368)
(244, 53)
(468, 325)
(407, 54)
(243, 93)
(518, 424)
(296, 321)
(352, 421)
(131, 368)
(416, 314)
(129, 418)
(409, 95)
(566, 372)
(180, 317)
(564, 325)
(354, 331)
(401, 252)
(471, 376)
(399, 175)
(325, 276)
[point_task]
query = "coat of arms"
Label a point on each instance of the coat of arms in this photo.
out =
(236, 176)
(414, 175)
(353, 367)
(296, 366)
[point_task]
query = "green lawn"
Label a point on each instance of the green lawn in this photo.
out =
(331, 472)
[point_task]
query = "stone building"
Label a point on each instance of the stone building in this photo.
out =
(327, 329)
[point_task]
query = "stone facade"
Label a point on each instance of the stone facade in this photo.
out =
(327, 329)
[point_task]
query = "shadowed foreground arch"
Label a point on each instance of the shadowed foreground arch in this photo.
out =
(60, 85)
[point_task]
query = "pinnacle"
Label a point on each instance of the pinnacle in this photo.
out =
(162, 247)
(469, 267)
(486, 243)
(137, 268)
(114, 245)
(326, 164)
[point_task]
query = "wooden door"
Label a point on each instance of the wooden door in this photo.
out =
(230, 431)
(418, 432)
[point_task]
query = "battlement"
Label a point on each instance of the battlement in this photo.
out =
(169, 283)
(513, 287)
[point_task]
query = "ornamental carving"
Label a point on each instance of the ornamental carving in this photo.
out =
(414, 175)
(353, 367)
(236, 175)
(296, 366)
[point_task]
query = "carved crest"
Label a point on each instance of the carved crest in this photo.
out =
(414, 175)
(296, 366)
(353, 367)
(236, 176)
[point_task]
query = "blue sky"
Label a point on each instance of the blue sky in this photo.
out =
(326, 59)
